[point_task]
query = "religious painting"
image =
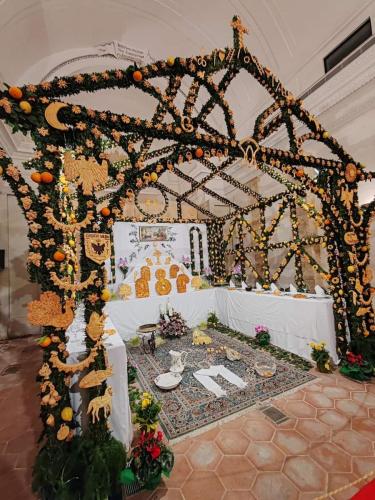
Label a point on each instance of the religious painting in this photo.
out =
(153, 233)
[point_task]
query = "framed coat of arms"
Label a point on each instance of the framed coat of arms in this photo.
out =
(97, 247)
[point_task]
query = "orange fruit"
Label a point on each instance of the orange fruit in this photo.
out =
(46, 177)
(154, 176)
(59, 256)
(36, 177)
(15, 92)
(105, 211)
(199, 153)
(327, 222)
(170, 61)
(44, 341)
(300, 173)
(137, 76)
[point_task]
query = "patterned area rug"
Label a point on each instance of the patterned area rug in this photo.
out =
(191, 406)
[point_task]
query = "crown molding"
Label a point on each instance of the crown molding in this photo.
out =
(345, 83)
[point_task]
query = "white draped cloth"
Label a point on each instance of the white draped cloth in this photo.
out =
(204, 377)
(128, 315)
(120, 419)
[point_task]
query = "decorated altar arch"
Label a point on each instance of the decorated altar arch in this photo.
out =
(77, 194)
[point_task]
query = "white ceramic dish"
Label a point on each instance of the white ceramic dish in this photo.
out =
(168, 381)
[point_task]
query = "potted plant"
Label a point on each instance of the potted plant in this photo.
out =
(262, 336)
(356, 368)
(320, 355)
(212, 319)
(172, 324)
(149, 460)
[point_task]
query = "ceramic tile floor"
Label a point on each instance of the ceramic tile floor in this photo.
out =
(328, 441)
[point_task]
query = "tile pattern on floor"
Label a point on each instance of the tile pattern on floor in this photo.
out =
(327, 442)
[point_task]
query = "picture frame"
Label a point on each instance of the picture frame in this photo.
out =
(153, 233)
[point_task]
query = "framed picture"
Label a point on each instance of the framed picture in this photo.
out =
(153, 233)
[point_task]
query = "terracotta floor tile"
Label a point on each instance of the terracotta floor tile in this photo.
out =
(291, 442)
(182, 446)
(319, 400)
(265, 456)
(363, 465)
(274, 485)
(300, 409)
(336, 481)
(305, 473)
(238, 495)
(365, 427)
(313, 430)
(353, 443)
(335, 392)
(204, 455)
(209, 435)
(313, 387)
(364, 398)
(296, 396)
(331, 458)
(333, 418)
(232, 442)
(258, 430)
(236, 472)
(166, 494)
(181, 471)
(235, 423)
(203, 484)
(288, 424)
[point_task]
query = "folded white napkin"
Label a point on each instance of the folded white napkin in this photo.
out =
(204, 377)
(273, 287)
(243, 285)
(292, 288)
(319, 291)
(231, 284)
(258, 286)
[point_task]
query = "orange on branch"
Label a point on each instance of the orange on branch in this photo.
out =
(199, 153)
(44, 341)
(15, 92)
(137, 76)
(59, 256)
(105, 211)
(36, 177)
(46, 177)
(300, 172)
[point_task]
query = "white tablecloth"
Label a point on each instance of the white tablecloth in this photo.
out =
(128, 315)
(292, 323)
(120, 419)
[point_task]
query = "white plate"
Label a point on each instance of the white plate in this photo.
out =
(168, 381)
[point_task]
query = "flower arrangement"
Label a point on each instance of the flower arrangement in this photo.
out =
(262, 335)
(149, 460)
(321, 356)
(123, 266)
(186, 261)
(355, 367)
(172, 324)
(146, 411)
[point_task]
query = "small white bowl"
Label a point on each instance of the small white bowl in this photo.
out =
(168, 381)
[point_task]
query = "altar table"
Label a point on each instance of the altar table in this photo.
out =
(120, 419)
(128, 315)
(292, 323)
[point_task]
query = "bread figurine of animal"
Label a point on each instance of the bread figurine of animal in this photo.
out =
(200, 338)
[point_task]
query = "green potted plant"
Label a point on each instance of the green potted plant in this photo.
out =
(356, 368)
(320, 355)
(262, 335)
